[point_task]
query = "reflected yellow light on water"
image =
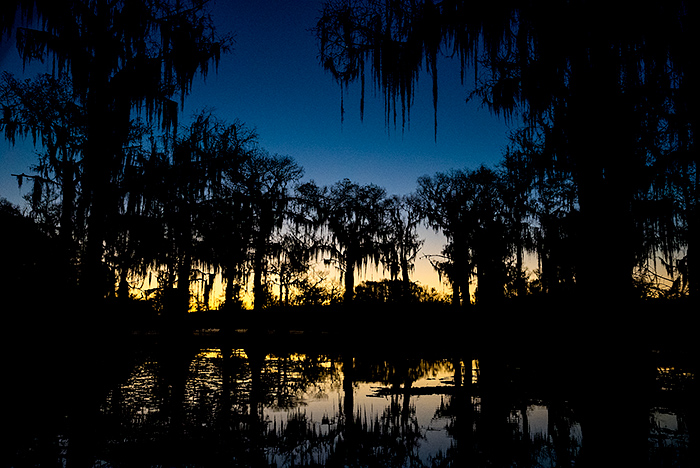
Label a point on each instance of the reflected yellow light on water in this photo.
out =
(670, 378)
(239, 353)
(673, 371)
(293, 357)
(215, 353)
(209, 354)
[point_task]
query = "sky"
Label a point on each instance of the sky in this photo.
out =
(273, 82)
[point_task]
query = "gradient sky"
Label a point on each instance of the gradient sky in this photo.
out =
(272, 81)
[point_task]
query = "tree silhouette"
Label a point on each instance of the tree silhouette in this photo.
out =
(516, 178)
(121, 57)
(266, 184)
(489, 234)
(467, 207)
(293, 264)
(201, 156)
(182, 215)
(229, 229)
(541, 188)
(667, 212)
(401, 244)
(441, 200)
(599, 77)
(353, 216)
(47, 109)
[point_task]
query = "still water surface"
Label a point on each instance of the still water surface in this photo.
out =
(228, 406)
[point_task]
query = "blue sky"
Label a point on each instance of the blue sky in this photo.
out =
(272, 81)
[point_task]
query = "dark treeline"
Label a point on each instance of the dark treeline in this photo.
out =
(600, 186)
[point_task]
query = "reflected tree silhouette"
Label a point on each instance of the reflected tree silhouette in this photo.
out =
(180, 402)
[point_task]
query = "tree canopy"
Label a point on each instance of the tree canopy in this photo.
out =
(121, 57)
(601, 79)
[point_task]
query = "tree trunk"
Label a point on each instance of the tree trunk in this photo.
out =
(95, 182)
(455, 294)
(259, 293)
(692, 260)
(182, 293)
(520, 284)
(282, 285)
(349, 281)
(229, 292)
(404, 272)
(602, 147)
(101, 147)
(123, 289)
(462, 271)
(67, 229)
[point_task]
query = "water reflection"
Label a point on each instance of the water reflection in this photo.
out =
(213, 406)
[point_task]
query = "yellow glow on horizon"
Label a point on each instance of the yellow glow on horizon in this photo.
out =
(423, 274)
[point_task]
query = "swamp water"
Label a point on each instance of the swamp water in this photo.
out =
(208, 405)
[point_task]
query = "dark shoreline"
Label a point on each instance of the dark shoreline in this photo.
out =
(515, 329)
(657, 325)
